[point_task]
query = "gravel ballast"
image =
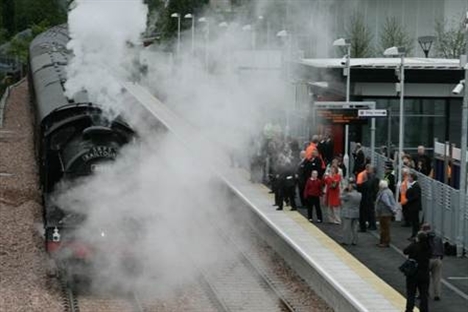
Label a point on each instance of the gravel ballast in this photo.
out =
(24, 285)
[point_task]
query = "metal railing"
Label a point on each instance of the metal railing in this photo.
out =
(440, 202)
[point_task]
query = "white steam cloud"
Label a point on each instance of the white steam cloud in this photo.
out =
(151, 207)
(102, 33)
(158, 190)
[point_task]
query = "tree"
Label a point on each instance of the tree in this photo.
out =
(8, 12)
(450, 38)
(19, 45)
(29, 13)
(3, 35)
(168, 25)
(360, 35)
(394, 34)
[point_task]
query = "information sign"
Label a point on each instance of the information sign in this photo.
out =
(340, 116)
(372, 113)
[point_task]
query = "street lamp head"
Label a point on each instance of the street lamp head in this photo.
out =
(202, 20)
(394, 51)
(459, 88)
(282, 33)
(426, 43)
(175, 15)
(342, 42)
(223, 25)
(188, 15)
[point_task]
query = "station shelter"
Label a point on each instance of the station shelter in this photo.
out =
(431, 110)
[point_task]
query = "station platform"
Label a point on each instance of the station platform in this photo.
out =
(358, 278)
(363, 289)
(384, 263)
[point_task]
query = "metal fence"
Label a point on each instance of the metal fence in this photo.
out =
(440, 202)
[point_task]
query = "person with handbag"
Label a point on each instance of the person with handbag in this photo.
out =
(435, 264)
(385, 208)
(420, 251)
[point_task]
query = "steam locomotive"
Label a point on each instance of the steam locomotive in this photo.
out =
(74, 138)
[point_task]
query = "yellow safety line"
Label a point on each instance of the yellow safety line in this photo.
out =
(365, 273)
(359, 268)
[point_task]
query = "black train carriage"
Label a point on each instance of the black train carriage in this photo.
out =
(73, 138)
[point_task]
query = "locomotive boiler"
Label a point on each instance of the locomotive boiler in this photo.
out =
(74, 138)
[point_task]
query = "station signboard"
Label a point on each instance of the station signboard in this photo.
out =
(372, 113)
(340, 115)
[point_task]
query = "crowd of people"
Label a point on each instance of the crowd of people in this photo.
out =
(312, 177)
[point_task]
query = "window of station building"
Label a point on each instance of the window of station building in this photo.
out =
(425, 119)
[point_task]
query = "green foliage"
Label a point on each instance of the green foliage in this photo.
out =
(168, 25)
(394, 34)
(360, 35)
(19, 15)
(8, 13)
(450, 38)
(19, 48)
(3, 35)
(154, 4)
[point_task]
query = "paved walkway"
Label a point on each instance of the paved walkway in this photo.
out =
(384, 262)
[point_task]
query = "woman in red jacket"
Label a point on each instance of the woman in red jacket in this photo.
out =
(312, 193)
(333, 195)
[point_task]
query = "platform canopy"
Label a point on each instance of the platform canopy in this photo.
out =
(385, 62)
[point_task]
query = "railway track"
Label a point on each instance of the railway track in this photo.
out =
(236, 283)
(73, 302)
(68, 296)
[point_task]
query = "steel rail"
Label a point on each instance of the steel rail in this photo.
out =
(261, 274)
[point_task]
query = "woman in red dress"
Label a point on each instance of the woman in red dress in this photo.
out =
(333, 195)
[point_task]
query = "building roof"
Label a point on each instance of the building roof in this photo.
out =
(387, 62)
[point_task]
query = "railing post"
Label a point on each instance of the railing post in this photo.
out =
(463, 150)
(446, 161)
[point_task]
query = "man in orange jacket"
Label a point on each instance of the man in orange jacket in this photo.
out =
(312, 147)
(403, 200)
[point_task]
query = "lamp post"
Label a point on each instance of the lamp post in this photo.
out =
(191, 16)
(250, 29)
(177, 15)
(426, 43)
(463, 149)
(225, 45)
(398, 51)
(207, 38)
(346, 43)
(285, 36)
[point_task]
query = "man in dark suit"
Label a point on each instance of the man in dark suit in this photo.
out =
(302, 169)
(316, 163)
(413, 204)
(423, 163)
(368, 186)
(287, 183)
(359, 159)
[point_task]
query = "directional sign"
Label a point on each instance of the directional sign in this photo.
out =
(372, 113)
